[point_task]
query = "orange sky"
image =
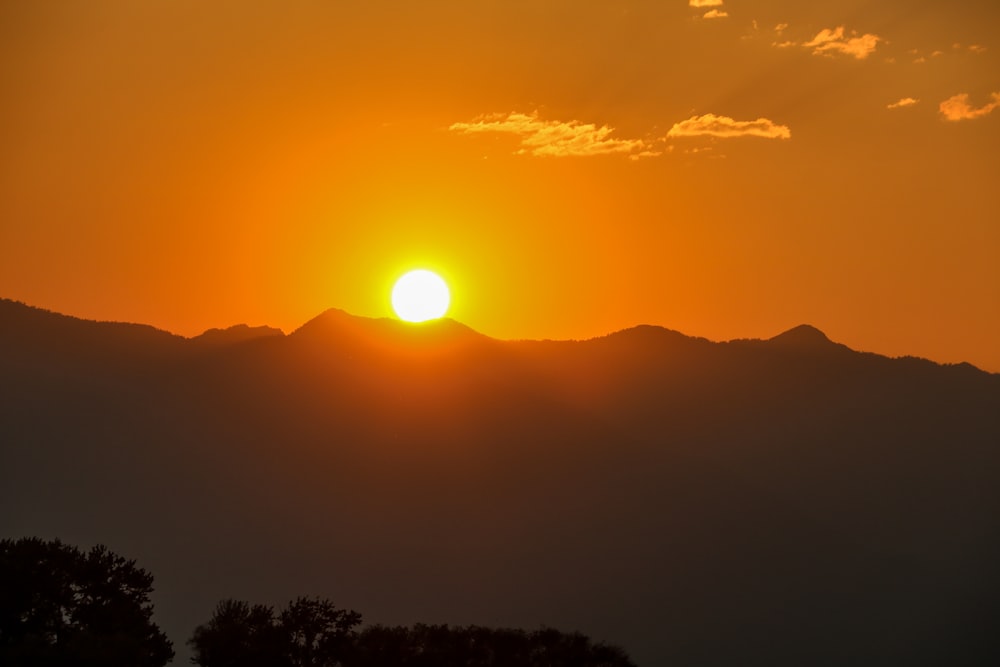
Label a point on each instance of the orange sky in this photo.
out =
(727, 170)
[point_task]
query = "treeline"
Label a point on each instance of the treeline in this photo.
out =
(314, 632)
(63, 607)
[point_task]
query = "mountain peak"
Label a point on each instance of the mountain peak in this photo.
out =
(804, 335)
(335, 325)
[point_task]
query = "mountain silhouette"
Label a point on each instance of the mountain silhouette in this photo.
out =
(802, 336)
(786, 501)
(239, 333)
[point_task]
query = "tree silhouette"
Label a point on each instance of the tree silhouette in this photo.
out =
(318, 633)
(240, 634)
(61, 606)
(310, 632)
(476, 646)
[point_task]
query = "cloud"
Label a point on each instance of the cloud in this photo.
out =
(828, 40)
(957, 107)
(725, 127)
(715, 14)
(648, 153)
(704, 3)
(905, 102)
(554, 138)
(974, 48)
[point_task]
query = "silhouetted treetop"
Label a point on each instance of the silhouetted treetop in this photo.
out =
(63, 606)
(310, 632)
(317, 632)
(239, 634)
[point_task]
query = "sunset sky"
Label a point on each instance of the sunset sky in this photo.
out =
(725, 168)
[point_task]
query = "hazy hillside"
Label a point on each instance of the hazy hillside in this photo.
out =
(787, 501)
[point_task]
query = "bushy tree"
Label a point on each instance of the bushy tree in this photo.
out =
(61, 606)
(318, 634)
(239, 634)
(310, 632)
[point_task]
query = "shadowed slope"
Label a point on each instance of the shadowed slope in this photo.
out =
(786, 501)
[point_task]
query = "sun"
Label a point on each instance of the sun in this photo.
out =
(420, 295)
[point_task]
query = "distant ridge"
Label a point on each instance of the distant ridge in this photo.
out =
(35, 331)
(237, 333)
(37, 326)
(333, 318)
(21, 315)
(335, 326)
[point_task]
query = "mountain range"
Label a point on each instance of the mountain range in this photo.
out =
(785, 502)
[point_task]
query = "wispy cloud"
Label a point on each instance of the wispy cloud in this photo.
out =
(704, 3)
(957, 107)
(555, 138)
(974, 48)
(722, 126)
(715, 14)
(920, 58)
(836, 41)
(905, 102)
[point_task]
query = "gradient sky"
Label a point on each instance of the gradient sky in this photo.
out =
(725, 168)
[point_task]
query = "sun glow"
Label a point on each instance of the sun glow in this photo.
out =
(419, 296)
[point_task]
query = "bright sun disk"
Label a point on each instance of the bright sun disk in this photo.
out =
(420, 295)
